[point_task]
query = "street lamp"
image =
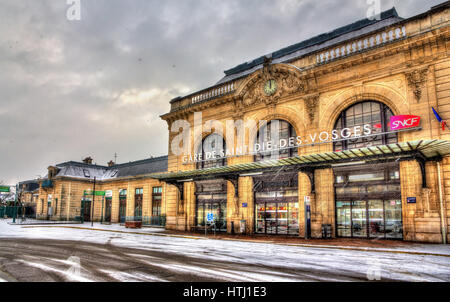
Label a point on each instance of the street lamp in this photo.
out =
(93, 204)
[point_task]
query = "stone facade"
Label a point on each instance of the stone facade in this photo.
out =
(66, 196)
(410, 75)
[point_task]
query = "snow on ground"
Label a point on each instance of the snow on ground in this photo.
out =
(277, 262)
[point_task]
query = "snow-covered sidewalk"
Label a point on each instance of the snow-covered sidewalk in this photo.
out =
(238, 260)
(37, 230)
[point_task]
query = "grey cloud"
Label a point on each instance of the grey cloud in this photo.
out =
(97, 86)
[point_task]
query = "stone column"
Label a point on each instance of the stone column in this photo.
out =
(324, 210)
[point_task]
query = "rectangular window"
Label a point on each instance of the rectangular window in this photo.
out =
(156, 201)
(138, 198)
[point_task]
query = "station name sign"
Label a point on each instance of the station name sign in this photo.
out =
(397, 124)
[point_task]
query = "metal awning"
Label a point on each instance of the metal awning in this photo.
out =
(422, 150)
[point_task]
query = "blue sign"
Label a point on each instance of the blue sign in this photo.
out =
(210, 217)
(411, 200)
(244, 205)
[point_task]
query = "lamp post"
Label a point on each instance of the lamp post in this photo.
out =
(15, 204)
(93, 203)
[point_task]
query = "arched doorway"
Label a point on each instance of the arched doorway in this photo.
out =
(368, 196)
(276, 194)
(211, 196)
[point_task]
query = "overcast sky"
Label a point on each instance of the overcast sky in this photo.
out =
(95, 87)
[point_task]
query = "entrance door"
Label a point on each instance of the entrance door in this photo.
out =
(122, 210)
(108, 206)
(376, 218)
(343, 212)
(215, 204)
(86, 210)
(282, 218)
(393, 218)
(359, 218)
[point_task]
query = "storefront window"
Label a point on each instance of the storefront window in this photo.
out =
(269, 141)
(277, 212)
(369, 112)
(369, 204)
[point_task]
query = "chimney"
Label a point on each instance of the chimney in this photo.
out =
(88, 160)
(111, 163)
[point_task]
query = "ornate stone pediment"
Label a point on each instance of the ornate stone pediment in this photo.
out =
(285, 79)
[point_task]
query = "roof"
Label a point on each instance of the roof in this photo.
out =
(87, 171)
(339, 35)
(426, 149)
(389, 14)
(30, 185)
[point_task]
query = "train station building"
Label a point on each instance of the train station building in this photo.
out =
(340, 132)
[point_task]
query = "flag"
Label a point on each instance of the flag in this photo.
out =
(439, 118)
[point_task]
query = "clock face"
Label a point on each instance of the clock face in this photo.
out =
(270, 87)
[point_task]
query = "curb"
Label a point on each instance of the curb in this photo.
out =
(371, 250)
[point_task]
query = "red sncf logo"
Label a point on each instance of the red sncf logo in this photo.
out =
(404, 121)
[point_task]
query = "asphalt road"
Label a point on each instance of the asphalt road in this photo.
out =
(32, 260)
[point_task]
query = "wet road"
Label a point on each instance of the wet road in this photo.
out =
(53, 260)
(65, 260)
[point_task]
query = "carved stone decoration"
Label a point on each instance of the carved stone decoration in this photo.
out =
(416, 79)
(288, 82)
(311, 103)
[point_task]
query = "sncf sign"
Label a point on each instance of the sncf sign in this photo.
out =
(400, 122)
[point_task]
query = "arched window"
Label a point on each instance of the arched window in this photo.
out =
(374, 113)
(275, 141)
(212, 152)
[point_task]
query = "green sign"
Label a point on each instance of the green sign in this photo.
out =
(97, 193)
(5, 189)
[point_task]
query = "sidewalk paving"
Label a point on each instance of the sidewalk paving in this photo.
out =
(375, 245)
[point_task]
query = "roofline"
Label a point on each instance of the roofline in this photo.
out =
(433, 9)
(75, 163)
(143, 161)
(315, 40)
(84, 165)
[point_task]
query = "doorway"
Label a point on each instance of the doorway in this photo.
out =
(108, 208)
(368, 202)
(86, 210)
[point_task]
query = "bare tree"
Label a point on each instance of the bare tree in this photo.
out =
(5, 196)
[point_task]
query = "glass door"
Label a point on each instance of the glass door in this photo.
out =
(261, 217)
(343, 209)
(293, 218)
(393, 215)
(282, 218)
(376, 218)
(271, 218)
(359, 218)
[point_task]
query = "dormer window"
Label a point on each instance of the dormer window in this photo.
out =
(86, 173)
(114, 173)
